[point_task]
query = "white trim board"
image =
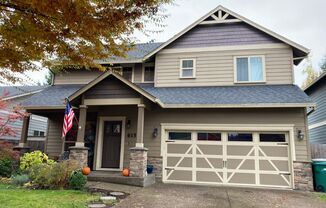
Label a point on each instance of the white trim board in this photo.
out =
(316, 125)
(225, 48)
(99, 142)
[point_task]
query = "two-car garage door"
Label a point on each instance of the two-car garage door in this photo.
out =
(227, 157)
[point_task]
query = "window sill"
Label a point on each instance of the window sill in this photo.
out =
(187, 77)
(260, 82)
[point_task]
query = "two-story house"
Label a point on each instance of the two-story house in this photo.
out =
(216, 104)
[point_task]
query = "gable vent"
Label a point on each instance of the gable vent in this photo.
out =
(220, 17)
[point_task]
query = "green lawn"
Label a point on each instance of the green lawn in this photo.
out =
(322, 197)
(18, 198)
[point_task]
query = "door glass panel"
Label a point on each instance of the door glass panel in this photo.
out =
(239, 137)
(209, 136)
(272, 137)
(179, 135)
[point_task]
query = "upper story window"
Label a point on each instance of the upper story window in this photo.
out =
(127, 73)
(148, 73)
(249, 69)
(187, 68)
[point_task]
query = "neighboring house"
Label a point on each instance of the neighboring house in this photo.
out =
(216, 104)
(317, 118)
(14, 96)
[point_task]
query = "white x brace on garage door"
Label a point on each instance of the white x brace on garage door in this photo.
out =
(255, 162)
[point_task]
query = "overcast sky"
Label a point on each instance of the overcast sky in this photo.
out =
(302, 21)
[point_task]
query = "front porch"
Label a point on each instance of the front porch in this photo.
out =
(109, 134)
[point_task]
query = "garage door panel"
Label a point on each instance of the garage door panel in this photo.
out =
(242, 178)
(240, 164)
(180, 175)
(274, 179)
(239, 150)
(178, 148)
(279, 164)
(209, 163)
(180, 161)
(208, 176)
(209, 150)
(273, 151)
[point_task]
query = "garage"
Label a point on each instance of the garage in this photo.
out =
(227, 157)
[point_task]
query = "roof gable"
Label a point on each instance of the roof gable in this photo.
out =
(105, 75)
(222, 15)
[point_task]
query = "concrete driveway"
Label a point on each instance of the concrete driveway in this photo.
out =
(168, 195)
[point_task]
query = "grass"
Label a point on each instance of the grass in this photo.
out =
(20, 198)
(322, 197)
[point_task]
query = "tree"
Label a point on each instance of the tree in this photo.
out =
(9, 116)
(73, 33)
(310, 73)
(48, 78)
(323, 65)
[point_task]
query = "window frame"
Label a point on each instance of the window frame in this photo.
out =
(143, 72)
(193, 68)
(132, 72)
(249, 69)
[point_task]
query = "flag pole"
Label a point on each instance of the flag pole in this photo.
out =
(67, 100)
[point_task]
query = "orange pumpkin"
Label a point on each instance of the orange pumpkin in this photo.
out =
(86, 170)
(125, 172)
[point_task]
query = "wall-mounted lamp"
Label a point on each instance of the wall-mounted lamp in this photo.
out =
(300, 135)
(128, 124)
(155, 132)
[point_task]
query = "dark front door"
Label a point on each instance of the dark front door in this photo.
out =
(111, 144)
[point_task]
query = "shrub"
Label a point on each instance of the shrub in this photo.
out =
(52, 176)
(5, 180)
(8, 159)
(77, 180)
(34, 158)
(20, 180)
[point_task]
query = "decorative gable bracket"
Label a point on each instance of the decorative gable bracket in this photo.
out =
(219, 17)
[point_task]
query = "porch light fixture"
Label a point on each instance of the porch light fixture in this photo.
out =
(155, 132)
(128, 124)
(300, 135)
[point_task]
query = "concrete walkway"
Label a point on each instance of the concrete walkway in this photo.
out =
(168, 195)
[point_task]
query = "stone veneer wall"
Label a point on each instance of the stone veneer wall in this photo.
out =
(80, 154)
(138, 162)
(157, 163)
(303, 179)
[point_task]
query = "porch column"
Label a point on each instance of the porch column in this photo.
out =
(140, 126)
(22, 146)
(79, 152)
(138, 154)
(81, 126)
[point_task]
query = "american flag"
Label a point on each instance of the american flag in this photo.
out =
(68, 118)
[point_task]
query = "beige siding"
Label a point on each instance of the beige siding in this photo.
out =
(154, 118)
(214, 68)
(75, 77)
(54, 141)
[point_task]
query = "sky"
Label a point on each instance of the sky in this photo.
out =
(302, 21)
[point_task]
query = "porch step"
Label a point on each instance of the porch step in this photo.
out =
(117, 177)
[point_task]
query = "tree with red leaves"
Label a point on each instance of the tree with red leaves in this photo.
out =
(9, 116)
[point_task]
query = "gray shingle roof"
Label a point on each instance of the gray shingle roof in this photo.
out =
(228, 95)
(257, 94)
(139, 52)
(52, 96)
(19, 90)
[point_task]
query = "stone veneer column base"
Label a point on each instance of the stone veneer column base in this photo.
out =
(303, 176)
(138, 162)
(157, 162)
(80, 154)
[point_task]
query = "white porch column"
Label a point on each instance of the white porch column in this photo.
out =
(140, 126)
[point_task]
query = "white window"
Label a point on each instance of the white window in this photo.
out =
(148, 72)
(187, 68)
(249, 69)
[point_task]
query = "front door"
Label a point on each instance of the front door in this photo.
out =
(111, 144)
